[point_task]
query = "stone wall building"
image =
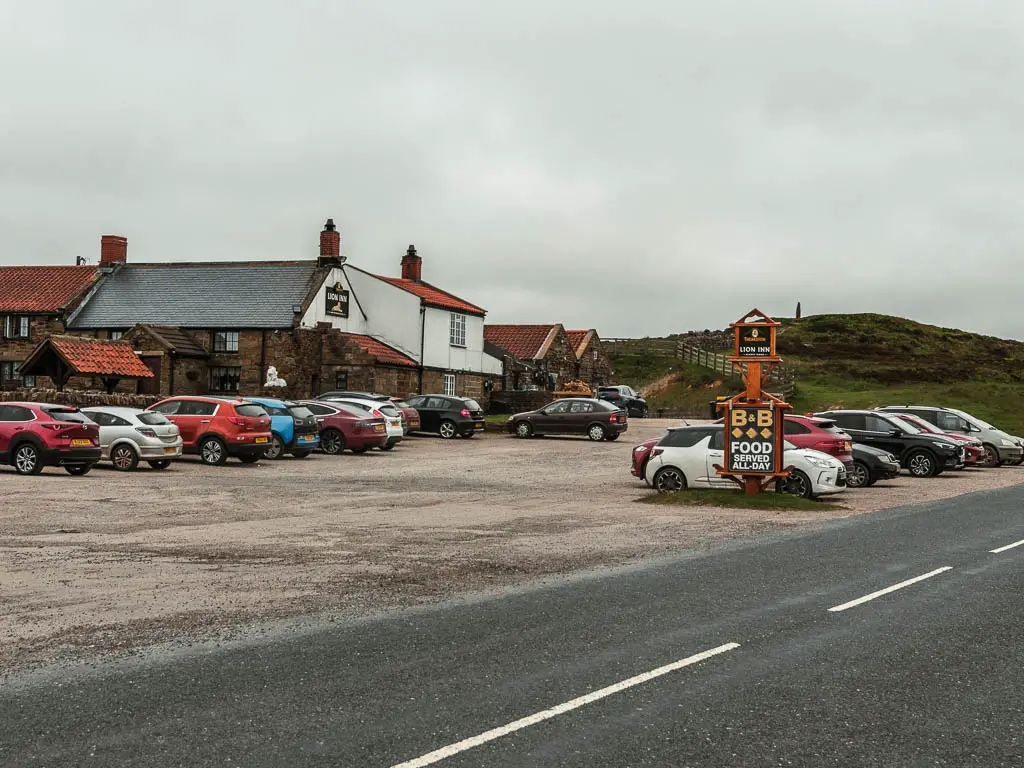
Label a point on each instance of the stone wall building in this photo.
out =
(536, 356)
(592, 362)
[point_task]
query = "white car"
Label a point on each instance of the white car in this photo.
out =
(686, 458)
(128, 435)
(391, 415)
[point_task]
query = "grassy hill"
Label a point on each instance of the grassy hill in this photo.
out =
(863, 361)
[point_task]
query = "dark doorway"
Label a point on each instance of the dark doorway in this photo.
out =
(150, 386)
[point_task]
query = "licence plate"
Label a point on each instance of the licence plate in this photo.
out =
(478, 425)
(170, 450)
(261, 439)
(378, 427)
(309, 437)
(396, 423)
(81, 441)
(414, 423)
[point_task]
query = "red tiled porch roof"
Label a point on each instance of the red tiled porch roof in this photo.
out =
(381, 352)
(100, 357)
(41, 289)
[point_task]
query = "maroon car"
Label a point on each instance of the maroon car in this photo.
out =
(597, 419)
(638, 459)
(342, 426)
(37, 435)
(410, 416)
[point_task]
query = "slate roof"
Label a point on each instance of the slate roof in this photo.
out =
(41, 289)
(433, 296)
(249, 294)
(175, 339)
(381, 352)
(524, 342)
(100, 357)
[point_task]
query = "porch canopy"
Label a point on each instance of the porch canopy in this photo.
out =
(61, 357)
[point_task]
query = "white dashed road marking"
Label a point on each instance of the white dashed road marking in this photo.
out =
(496, 733)
(1008, 546)
(893, 588)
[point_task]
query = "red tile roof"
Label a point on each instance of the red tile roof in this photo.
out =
(521, 341)
(576, 339)
(382, 352)
(100, 357)
(434, 297)
(41, 289)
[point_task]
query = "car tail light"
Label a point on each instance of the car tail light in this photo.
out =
(464, 413)
(364, 424)
(58, 426)
(146, 431)
(657, 452)
(238, 421)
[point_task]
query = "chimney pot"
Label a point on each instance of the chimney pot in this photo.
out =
(412, 265)
(113, 249)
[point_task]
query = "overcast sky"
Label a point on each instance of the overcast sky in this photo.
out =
(639, 167)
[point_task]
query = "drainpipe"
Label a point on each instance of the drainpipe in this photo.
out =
(263, 356)
(423, 334)
(170, 356)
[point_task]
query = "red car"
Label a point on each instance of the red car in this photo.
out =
(641, 453)
(410, 416)
(821, 435)
(342, 427)
(37, 435)
(974, 450)
(216, 428)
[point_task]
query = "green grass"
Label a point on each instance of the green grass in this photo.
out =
(692, 389)
(736, 500)
(640, 362)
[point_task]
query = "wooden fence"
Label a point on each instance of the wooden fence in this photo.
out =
(781, 380)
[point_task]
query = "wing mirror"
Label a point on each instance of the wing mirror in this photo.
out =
(896, 433)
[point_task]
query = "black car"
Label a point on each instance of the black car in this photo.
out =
(871, 465)
(924, 455)
(448, 416)
(627, 398)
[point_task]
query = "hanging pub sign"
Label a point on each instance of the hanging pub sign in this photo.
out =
(755, 336)
(337, 301)
(753, 440)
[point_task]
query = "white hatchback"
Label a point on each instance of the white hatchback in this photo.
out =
(686, 458)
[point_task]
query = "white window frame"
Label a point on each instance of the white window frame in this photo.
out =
(449, 384)
(17, 327)
(116, 335)
(457, 330)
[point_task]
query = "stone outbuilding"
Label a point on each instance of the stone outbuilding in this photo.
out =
(535, 356)
(592, 362)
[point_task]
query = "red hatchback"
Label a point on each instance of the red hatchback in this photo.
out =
(974, 449)
(343, 427)
(821, 435)
(37, 435)
(216, 428)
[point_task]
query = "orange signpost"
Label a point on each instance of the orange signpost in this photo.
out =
(754, 419)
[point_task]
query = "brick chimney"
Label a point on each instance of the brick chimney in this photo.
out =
(113, 249)
(412, 265)
(330, 240)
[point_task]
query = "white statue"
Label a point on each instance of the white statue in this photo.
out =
(273, 380)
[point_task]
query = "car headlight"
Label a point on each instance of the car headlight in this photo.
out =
(892, 458)
(1007, 443)
(640, 448)
(816, 462)
(941, 444)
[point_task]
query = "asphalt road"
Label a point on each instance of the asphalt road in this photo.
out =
(928, 674)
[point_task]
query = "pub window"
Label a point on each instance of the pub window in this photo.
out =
(11, 371)
(457, 337)
(225, 341)
(115, 335)
(16, 326)
(449, 384)
(224, 379)
(341, 380)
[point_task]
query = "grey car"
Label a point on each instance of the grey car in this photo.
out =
(130, 435)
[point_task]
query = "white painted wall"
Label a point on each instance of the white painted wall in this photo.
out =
(439, 353)
(394, 314)
(317, 313)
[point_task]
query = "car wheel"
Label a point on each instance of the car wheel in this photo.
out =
(27, 460)
(276, 448)
(799, 484)
(859, 475)
(447, 429)
(212, 451)
(921, 464)
(523, 429)
(596, 433)
(161, 464)
(124, 457)
(78, 469)
(332, 442)
(669, 480)
(301, 454)
(991, 457)
(249, 458)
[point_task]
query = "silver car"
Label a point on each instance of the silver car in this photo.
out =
(128, 435)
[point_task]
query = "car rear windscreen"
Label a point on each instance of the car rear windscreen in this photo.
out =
(64, 414)
(250, 409)
(300, 412)
(152, 419)
(473, 405)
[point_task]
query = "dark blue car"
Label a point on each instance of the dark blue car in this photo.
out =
(294, 428)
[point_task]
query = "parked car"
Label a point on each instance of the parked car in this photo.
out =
(128, 435)
(1020, 459)
(820, 435)
(37, 435)
(293, 427)
(410, 416)
(999, 447)
(974, 452)
(448, 416)
(686, 458)
(597, 419)
(344, 426)
(924, 455)
(870, 465)
(216, 428)
(377, 409)
(639, 457)
(627, 398)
